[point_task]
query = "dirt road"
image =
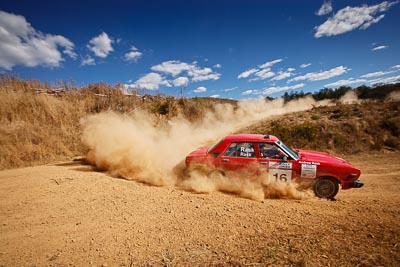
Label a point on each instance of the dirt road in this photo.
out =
(69, 215)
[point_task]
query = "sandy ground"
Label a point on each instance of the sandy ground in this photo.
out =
(69, 215)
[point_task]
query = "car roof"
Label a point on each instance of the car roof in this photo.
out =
(251, 137)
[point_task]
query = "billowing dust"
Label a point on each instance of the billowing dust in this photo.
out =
(137, 147)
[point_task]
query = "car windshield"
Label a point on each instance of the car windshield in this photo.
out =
(292, 153)
(211, 148)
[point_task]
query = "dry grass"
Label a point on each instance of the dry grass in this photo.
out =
(40, 124)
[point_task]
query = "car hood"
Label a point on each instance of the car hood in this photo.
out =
(201, 151)
(319, 157)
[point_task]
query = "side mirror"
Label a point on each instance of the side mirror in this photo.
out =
(215, 155)
(284, 158)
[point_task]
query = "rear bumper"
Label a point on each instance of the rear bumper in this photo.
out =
(357, 184)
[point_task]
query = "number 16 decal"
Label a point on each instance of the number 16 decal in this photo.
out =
(283, 176)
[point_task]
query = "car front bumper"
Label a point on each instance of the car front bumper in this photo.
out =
(357, 184)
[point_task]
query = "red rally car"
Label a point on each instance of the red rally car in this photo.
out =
(266, 155)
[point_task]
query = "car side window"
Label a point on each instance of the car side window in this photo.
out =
(243, 150)
(269, 151)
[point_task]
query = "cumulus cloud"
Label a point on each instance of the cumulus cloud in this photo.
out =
(88, 60)
(196, 73)
(133, 55)
(172, 67)
(248, 92)
(283, 74)
(305, 65)
(276, 89)
(230, 89)
(152, 81)
(200, 89)
(379, 47)
(21, 44)
(214, 96)
(269, 64)
(393, 79)
(323, 75)
(376, 74)
(246, 73)
(262, 72)
(326, 8)
(351, 18)
(101, 45)
(217, 66)
(346, 82)
(181, 81)
(396, 67)
(204, 74)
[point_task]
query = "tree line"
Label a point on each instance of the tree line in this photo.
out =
(376, 92)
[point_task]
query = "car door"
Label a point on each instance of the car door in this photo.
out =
(240, 159)
(275, 164)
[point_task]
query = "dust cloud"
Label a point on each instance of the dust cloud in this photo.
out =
(350, 97)
(141, 147)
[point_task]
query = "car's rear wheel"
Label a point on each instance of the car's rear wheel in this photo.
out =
(326, 187)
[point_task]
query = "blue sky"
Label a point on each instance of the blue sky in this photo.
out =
(228, 49)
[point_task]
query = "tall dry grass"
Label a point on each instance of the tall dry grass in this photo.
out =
(41, 124)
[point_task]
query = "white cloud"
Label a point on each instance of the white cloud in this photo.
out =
(393, 79)
(323, 75)
(246, 73)
(263, 74)
(217, 66)
(204, 74)
(101, 45)
(88, 60)
(396, 67)
(133, 55)
(200, 89)
(181, 81)
(214, 96)
(230, 89)
(283, 74)
(276, 89)
(21, 44)
(305, 65)
(248, 92)
(176, 67)
(345, 82)
(270, 63)
(212, 76)
(326, 8)
(152, 81)
(379, 47)
(376, 74)
(351, 18)
(172, 67)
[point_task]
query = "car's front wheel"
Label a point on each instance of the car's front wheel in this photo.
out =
(326, 187)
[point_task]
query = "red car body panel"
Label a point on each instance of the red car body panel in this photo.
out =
(247, 153)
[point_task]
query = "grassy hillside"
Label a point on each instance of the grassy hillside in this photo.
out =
(342, 128)
(40, 124)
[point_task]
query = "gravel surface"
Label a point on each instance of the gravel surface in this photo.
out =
(67, 214)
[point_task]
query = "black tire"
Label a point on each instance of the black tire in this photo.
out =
(326, 187)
